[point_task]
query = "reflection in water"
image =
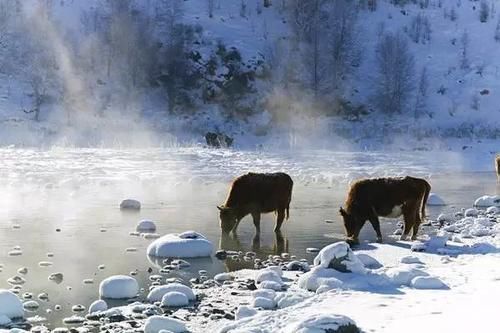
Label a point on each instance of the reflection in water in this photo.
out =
(233, 243)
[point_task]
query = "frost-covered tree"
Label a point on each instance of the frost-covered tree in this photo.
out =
(420, 29)
(395, 81)
(497, 31)
(484, 11)
(422, 91)
(464, 50)
(372, 5)
(210, 8)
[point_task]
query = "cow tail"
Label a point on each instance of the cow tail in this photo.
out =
(424, 200)
(287, 211)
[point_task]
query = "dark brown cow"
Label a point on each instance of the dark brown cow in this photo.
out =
(388, 197)
(256, 193)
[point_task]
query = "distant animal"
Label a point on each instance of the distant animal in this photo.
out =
(256, 193)
(387, 197)
(218, 140)
(497, 165)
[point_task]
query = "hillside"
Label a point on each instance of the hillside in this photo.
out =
(356, 72)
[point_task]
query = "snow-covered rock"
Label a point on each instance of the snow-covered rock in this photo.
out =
(436, 242)
(273, 285)
(435, 200)
(488, 201)
(369, 261)
(410, 260)
(446, 218)
(264, 303)
(221, 277)
(266, 293)
(130, 204)
(188, 244)
(4, 320)
(268, 275)
(427, 282)
(174, 299)
(340, 257)
(155, 324)
(471, 212)
(493, 210)
(244, 312)
(98, 306)
(403, 275)
(145, 226)
(10, 305)
(157, 293)
(119, 287)
(322, 323)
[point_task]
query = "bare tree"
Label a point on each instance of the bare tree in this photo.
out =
(484, 11)
(420, 29)
(210, 8)
(394, 84)
(464, 50)
(497, 31)
(421, 98)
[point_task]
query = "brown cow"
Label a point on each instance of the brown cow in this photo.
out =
(388, 197)
(256, 193)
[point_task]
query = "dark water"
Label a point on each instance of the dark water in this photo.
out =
(67, 204)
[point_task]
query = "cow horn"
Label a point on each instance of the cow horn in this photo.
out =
(342, 211)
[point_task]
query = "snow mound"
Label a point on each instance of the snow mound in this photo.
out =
(268, 275)
(174, 299)
(323, 323)
(264, 303)
(471, 212)
(157, 293)
(369, 261)
(244, 312)
(130, 204)
(119, 287)
(155, 324)
(487, 201)
(435, 200)
(404, 275)
(186, 245)
(10, 305)
(411, 260)
(98, 306)
(339, 256)
(427, 282)
(145, 226)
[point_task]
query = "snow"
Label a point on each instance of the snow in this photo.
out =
(155, 324)
(174, 299)
(189, 244)
(487, 201)
(368, 261)
(404, 275)
(435, 200)
(130, 204)
(265, 303)
(10, 305)
(146, 226)
(427, 282)
(97, 306)
(320, 323)
(410, 260)
(119, 287)
(157, 293)
(244, 311)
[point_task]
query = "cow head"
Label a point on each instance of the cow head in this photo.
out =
(351, 225)
(228, 218)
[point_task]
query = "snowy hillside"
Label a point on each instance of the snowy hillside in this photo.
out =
(87, 72)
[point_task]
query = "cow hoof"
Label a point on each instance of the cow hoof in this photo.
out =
(414, 238)
(379, 240)
(352, 242)
(403, 238)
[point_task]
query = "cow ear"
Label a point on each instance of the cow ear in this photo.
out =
(221, 208)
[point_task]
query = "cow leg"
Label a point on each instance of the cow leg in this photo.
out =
(376, 226)
(236, 226)
(256, 221)
(416, 224)
(279, 220)
(409, 217)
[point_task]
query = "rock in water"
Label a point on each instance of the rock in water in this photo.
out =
(130, 204)
(119, 287)
(218, 140)
(188, 244)
(98, 306)
(146, 226)
(157, 293)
